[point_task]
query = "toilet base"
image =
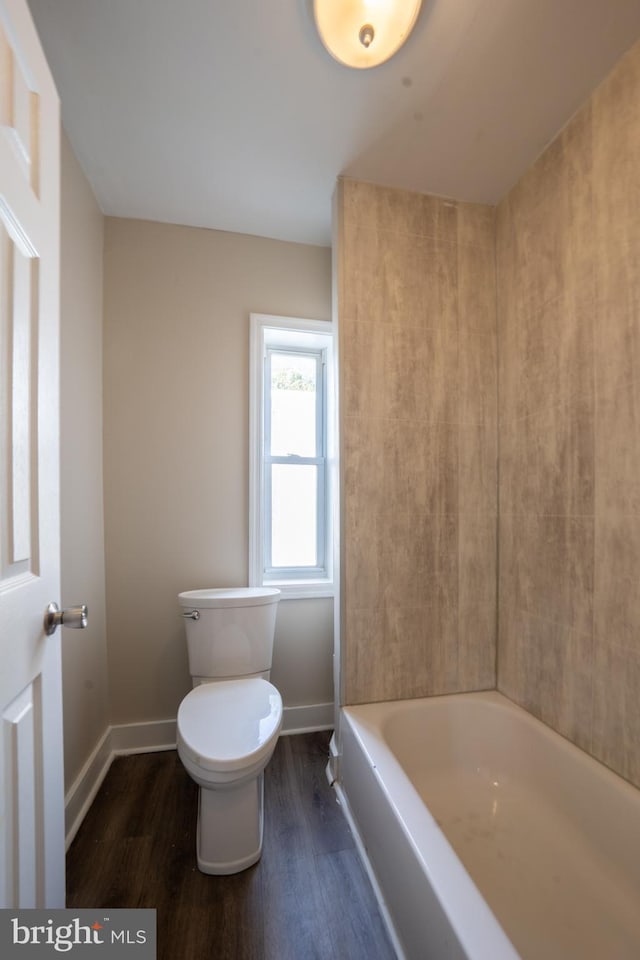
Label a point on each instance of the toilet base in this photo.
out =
(230, 827)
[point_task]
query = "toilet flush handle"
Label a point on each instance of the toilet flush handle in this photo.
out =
(193, 615)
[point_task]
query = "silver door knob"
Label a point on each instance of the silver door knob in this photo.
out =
(76, 617)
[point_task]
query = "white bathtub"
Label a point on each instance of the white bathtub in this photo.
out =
(490, 836)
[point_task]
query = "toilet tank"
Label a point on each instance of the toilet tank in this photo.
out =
(229, 631)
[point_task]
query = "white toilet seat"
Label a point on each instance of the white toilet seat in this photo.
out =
(227, 729)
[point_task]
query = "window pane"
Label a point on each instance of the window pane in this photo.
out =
(293, 405)
(293, 515)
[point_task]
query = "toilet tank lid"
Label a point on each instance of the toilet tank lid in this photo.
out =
(229, 597)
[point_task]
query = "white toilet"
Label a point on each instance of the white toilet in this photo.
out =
(228, 725)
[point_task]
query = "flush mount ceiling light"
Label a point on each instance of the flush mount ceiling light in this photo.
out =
(364, 33)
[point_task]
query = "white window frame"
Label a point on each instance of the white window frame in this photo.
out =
(289, 334)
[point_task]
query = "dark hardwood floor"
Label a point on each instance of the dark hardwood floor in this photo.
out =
(308, 898)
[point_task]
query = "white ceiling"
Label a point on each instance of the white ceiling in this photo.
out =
(230, 114)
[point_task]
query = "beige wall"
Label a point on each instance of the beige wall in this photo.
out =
(416, 302)
(568, 244)
(176, 394)
(84, 656)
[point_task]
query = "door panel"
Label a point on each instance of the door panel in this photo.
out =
(31, 773)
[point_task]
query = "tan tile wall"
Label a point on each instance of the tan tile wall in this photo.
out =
(418, 420)
(418, 371)
(568, 259)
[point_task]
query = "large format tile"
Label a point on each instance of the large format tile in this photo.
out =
(477, 615)
(616, 708)
(478, 470)
(477, 335)
(399, 211)
(546, 359)
(617, 338)
(617, 580)
(544, 242)
(396, 278)
(362, 561)
(616, 193)
(362, 368)
(547, 463)
(547, 668)
(363, 440)
(365, 660)
(421, 373)
(617, 463)
(419, 467)
(419, 560)
(421, 282)
(616, 186)
(568, 238)
(402, 651)
(423, 646)
(399, 465)
(419, 441)
(476, 226)
(546, 568)
(367, 288)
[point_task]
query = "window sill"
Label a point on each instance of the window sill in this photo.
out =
(302, 589)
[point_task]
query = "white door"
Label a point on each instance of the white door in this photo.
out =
(31, 772)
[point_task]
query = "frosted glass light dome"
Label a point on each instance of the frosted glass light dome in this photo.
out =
(364, 33)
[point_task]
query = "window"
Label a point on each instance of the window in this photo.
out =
(291, 455)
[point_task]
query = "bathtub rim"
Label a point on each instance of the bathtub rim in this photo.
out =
(474, 925)
(367, 723)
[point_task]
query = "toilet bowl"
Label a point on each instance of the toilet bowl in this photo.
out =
(227, 732)
(228, 725)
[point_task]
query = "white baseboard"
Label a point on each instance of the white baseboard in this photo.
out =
(155, 735)
(148, 737)
(82, 791)
(307, 719)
